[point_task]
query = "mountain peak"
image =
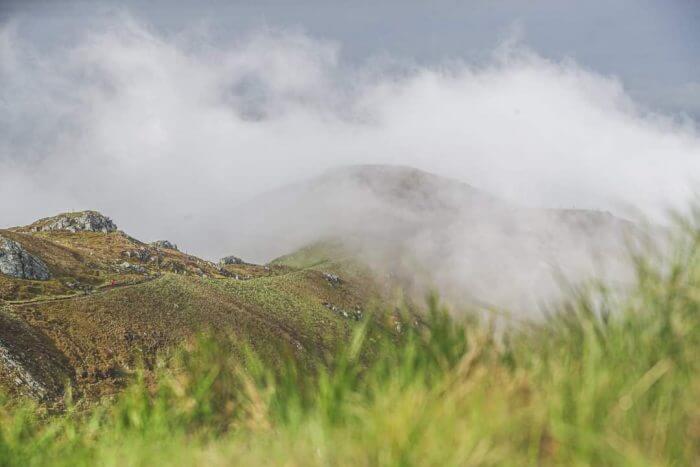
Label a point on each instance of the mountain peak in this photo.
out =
(80, 221)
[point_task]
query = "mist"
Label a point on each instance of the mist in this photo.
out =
(171, 135)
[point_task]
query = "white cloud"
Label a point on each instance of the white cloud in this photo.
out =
(167, 134)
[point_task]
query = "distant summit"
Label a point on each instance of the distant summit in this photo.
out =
(436, 232)
(407, 187)
(82, 221)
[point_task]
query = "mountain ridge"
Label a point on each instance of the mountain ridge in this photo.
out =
(415, 220)
(373, 231)
(112, 301)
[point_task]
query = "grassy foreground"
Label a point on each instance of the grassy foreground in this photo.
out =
(603, 381)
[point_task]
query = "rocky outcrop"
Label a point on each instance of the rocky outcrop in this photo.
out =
(20, 375)
(15, 261)
(165, 244)
(230, 260)
(353, 314)
(332, 278)
(141, 254)
(30, 363)
(85, 221)
(128, 267)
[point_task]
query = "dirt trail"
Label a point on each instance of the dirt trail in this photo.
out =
(98, 290)
(103, 289)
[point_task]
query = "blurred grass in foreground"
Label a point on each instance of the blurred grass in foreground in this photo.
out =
(602, 381)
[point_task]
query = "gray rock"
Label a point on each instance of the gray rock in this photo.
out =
(332, 278)
(23, 378)
(354, 314)
(141, 254)
(126, 266)
(86, 221)
(230, 260)
(15, 261)
(164, 244)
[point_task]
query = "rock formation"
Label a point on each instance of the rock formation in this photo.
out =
(164, 244)
(230, 260)
(15, 261)
(128, 267)
(85, 221)
(332, 278)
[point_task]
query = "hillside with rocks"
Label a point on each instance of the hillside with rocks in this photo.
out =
(16, 262)
(85, 221)
(83, 304)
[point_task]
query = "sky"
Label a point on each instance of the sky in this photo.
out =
(652, 45)
(166, 115)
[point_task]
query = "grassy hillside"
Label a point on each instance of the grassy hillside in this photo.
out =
(603, 381)
(83, 261)
(113, 302)
(280, 378)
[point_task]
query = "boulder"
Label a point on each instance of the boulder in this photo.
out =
(142, 254)
(85, 221)
(332, 278)
(230, 260)
(128, 267)
(165, 244)
(15, 261)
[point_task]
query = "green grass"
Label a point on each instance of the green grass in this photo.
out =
(101, 333)
(604, 380)
(312, 256)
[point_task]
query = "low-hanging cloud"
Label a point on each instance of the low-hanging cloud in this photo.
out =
(166, 133)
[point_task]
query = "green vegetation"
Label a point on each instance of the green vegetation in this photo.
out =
(603, 381)
(86, 261)
(319, 254)
(102, 334)
(113, 299)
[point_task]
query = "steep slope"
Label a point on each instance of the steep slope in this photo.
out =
(112, 302)
(84, 251)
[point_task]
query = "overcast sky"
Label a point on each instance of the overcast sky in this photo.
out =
(652, 45)
(164, 115)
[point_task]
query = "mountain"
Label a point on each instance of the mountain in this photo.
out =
(82, 302)
(433, 232)
(109, 301)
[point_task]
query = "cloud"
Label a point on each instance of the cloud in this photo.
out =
(167, 134)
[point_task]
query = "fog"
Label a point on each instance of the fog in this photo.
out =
(168, 135)
(425, 232)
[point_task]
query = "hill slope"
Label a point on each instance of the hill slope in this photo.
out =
(432, 232)
(105, 300)
(112, 301)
